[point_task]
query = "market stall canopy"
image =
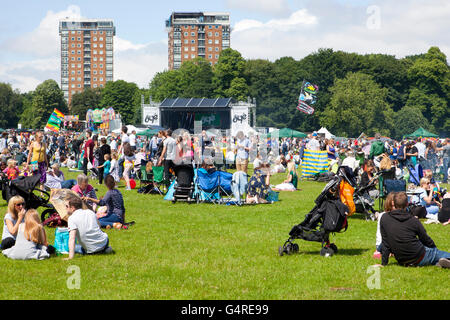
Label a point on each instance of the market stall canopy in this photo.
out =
(287, 133)
(327, 133)
(421, 133)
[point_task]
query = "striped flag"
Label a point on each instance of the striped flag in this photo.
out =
(314, 162)
(54, 122)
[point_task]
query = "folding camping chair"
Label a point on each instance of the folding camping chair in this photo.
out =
(207, 186)
(145, 179)
(158, 180)
(225, 189)
(388, 184)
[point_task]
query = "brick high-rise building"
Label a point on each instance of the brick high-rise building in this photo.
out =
(86, 54)
(197, 34)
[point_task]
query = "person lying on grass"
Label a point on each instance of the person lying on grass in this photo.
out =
(84, 227)
(404, 236)
(113, 200)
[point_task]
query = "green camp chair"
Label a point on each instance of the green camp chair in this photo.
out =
(144, 177)
(158, 180)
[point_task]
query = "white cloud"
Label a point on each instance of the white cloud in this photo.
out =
(139, 63)
(295, 21)
(124, 45)
(44, 40)
(405, 28)
(272, 7)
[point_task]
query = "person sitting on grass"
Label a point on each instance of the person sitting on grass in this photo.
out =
(290, 184)
(85, 190)
(404, 236)
(13, 218)
(55, 179)
(31, 240)
(259, 184)
(113, 200)
(84, 227)
(388, 207)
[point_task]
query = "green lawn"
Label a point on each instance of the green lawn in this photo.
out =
(206, 251)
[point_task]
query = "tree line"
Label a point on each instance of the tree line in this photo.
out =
(357, 93)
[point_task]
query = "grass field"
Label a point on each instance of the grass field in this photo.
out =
(206, 251)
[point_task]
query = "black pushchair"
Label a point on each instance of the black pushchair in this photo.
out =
(364, 203)
(184, 185)
(27, 188)
(329, 215)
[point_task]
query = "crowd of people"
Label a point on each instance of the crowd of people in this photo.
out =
(109, 158)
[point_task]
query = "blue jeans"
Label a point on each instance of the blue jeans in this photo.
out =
(432, 209)
(109, 220)
(68, 184)
(432, 256)
(121, 161)
(445, 164)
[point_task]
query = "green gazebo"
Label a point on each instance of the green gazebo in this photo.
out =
(287, 133)
(421, 133)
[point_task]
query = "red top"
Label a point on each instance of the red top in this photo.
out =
(89, 144)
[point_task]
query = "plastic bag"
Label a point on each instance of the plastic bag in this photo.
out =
(62, 240)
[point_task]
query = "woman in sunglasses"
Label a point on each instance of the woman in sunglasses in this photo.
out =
(13, 218)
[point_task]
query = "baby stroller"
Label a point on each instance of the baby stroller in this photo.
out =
(364, 203)
(329, 215)
(26, 187)
(184, 185)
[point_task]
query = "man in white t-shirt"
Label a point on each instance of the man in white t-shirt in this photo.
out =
(84, 227)
(132, 138)
(420, 149)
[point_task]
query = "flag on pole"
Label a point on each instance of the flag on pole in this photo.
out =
(314, 162)
(307, 97)
(54, 122)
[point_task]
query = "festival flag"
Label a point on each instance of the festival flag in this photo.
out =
(307, 97)
(314, 162)
(54, 122)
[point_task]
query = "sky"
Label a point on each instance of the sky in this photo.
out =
(261, 29)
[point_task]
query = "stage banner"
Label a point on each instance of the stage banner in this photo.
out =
(208, 119)
(314, 162)
(239, 120)
(151, 116)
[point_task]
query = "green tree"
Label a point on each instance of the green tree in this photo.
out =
(124, 97)
(358, 104)
(11, 106)
(408, 120)
(195, 79)
(81, 102)
(229, 66)
(165, 85)
(46, 98)
(430, 88)
(238, 89)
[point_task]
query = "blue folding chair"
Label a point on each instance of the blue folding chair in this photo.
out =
(207, 186)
